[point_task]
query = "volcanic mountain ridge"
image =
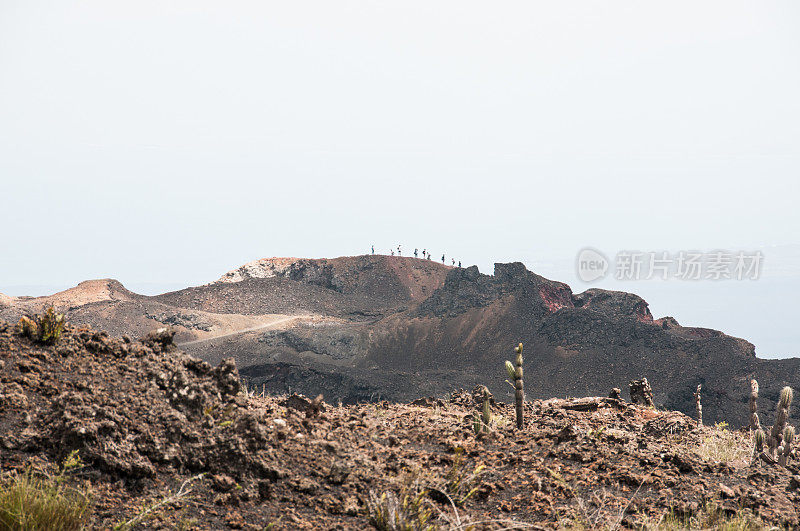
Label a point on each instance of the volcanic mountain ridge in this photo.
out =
(378, 327)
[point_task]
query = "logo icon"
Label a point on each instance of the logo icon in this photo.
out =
(591, 265)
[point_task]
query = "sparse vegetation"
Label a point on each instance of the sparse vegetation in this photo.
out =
(36, 501)
(500, 421)
(724, 445)
(411, 511)
(149, 511)
(711, 516)
(460, 482)
(46, 328)
(598, 514)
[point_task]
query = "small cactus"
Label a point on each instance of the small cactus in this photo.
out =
(759, 438)
(754, 422)
(698, 406)
(486, 411)
(786, 448)
(781, 416)
(477, 425)
(515, 373)
(481, 422)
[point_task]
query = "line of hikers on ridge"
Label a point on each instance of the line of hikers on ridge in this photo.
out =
(425, 254)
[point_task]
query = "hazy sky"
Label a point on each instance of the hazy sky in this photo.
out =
(166, 142)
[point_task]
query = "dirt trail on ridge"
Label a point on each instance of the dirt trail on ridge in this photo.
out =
(266, 326)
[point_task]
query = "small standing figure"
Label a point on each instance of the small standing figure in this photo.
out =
(454, 261)
(415, 252)
(429, 256)
(373, 249)
(399, 252)
(442, 258)
(459, 264)
(392, 252)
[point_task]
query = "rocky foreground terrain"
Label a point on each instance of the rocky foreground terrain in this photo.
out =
(369, 328)
(145, 435)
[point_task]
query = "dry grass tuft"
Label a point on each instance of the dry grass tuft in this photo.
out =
(408, 512)
(29, 502)
(710, 517)
(720, 444)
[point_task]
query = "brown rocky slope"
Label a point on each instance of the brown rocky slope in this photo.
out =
(145, 418)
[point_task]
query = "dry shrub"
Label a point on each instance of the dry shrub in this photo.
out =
(718, 443)
(711, 516)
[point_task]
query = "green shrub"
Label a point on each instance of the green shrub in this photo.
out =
(46, 328)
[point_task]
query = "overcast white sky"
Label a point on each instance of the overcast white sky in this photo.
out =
(165, 142)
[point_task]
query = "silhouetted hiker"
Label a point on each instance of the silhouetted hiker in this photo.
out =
(415, 252)
(399, 252)
(442, 258)
(424, 253)
(459, 263)
(392, 252)
(373, 249)
(429, 256)
(454, 261)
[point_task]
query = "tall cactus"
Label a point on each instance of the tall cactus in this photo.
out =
(786, 448)
(782, 415)
(754, 422)
(698, 406)
(515, 373)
